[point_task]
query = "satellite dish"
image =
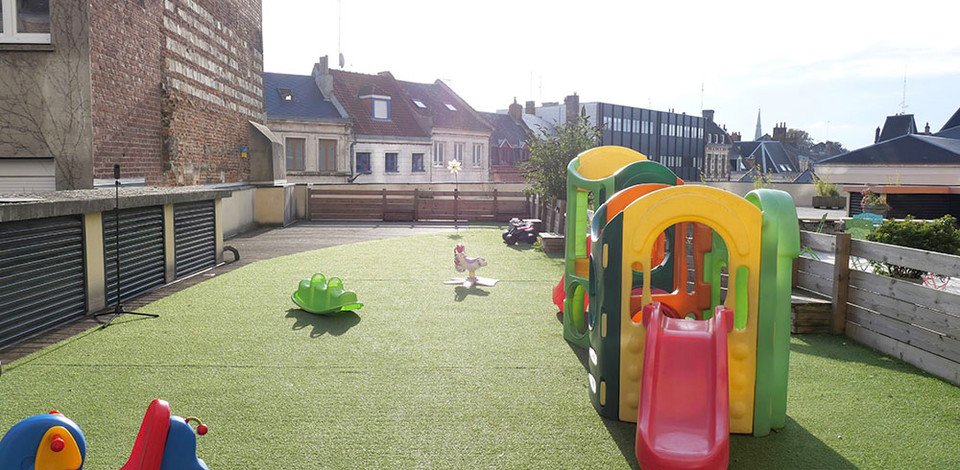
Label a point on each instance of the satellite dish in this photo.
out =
(342, 60)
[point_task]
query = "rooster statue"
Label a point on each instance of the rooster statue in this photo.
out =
(464, 263)
(54, 442)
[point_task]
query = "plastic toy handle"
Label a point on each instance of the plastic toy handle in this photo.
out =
(202, 429)
(57, 444)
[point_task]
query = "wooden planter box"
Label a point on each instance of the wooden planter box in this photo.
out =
(551, 243)
(829, 202)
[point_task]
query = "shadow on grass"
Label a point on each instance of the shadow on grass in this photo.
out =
(334, 324)
(841, 348)
(455, 236)
(460, 293)
(790, 447)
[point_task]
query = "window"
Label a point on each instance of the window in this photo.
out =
(381, 108)
(607, 122)
(420, 104)
(285, 94)
(25, 21)
(450, 106)
(390, 163)
(458, 151)
(417, 166)
(438, 154)
(477, 155)
(363, 162)
(295, 147)
(328, 156)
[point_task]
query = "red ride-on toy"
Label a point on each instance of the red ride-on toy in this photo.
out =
(525, 231)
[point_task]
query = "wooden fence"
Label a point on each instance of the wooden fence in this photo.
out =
(905, 319)
(552, 214)
(416, 205)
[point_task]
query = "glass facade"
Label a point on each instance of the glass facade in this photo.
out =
(676, 140)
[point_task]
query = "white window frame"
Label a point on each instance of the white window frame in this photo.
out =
(477, 155)
(458, 148)
(438, 155)
(10, 34)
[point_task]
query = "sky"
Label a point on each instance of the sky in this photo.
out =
(833, 68)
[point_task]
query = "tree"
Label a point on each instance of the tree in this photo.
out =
(799, 138)
(546, 170)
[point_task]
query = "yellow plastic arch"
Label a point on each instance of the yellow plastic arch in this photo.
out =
(738, 222)
(603, 162)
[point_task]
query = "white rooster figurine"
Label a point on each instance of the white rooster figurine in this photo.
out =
(464, 263)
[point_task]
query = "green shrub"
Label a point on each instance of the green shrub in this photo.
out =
(825, 187)
(941, 235)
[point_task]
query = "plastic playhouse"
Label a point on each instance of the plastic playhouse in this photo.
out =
(320, 296)
(671, 346)
(54, 442)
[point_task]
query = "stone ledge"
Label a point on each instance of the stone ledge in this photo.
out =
(61, 203)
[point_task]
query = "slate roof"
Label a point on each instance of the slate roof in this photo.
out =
(506, 129)
(770, 155)
(805, 177)
(953, 122)
(896, 126)
(950, 133)
(307, 103)
(403, 122)
(435, 96)
(710, 127)
(913, 149)
(538, 124)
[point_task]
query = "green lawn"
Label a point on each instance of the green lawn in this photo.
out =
(428, 375)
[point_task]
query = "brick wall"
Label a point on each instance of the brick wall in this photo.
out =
(174, 84)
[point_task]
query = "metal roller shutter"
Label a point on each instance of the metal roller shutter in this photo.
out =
(141, 251)
(42, 276)
(195, 228)
(856, 204)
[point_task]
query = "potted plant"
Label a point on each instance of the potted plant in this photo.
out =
(874, 203)
(828, 195)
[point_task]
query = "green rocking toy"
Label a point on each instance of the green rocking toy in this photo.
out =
(320, 296)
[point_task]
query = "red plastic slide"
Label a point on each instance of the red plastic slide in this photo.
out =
(683, 417)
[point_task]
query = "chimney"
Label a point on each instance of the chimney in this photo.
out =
(735, 137)
(876, 136)
(780, 132)
(926, 130)
(572, 105)
(708, 114)
(323, 78)
(530, 107)
(515, 110)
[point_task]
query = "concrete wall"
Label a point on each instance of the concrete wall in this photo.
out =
(45, 97)
(802, 193)
(237, 212)
(933, 175)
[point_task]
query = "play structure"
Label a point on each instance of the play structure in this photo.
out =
(681, 294)
(463, 263)
(54, 442)
(321, 296)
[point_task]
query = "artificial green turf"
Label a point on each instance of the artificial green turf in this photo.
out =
(429, 375)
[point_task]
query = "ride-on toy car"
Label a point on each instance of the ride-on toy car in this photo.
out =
(521, 231)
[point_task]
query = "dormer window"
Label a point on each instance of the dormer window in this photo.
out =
(450, 106)
(379, 106)
(285, 94)
(420, 104)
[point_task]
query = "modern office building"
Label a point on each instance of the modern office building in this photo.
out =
(675, 140)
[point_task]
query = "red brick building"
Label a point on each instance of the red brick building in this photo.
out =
(165, 88)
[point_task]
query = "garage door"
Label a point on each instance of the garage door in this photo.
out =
(141, 251)
(195, 237)
(41, 276)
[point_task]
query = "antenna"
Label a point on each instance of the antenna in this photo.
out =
(701, 95)
(903, 103)
(339, 31)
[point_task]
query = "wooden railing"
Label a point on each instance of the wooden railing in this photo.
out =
(905, 319)
(416, 205)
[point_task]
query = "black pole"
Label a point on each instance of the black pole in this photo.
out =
(118, 308)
